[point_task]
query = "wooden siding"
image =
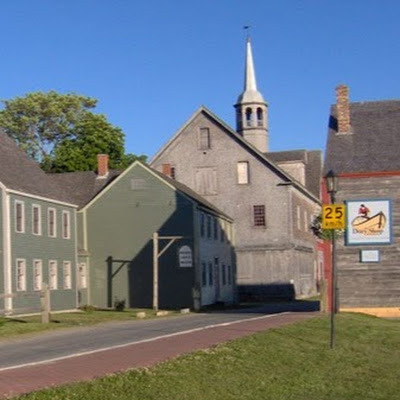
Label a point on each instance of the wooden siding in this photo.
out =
(30, 247)
(370, 284)
(120, 224)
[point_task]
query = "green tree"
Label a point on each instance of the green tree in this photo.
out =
(61, 132)
(93, 135)
(39, 121)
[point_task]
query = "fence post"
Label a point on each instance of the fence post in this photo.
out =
(45, 303)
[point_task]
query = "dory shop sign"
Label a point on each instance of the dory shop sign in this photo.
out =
(368, 222)
(185, 257)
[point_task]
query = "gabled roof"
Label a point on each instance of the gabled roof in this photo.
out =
(265, 159)
(312, 160)
(372, 145)
(82, 186)
(19, 173)
(85, 186)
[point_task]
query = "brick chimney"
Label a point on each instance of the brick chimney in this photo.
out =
(102, 165)
(343, 108)
(166, 169)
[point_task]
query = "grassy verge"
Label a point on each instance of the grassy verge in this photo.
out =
(11, 327)
(290, 363)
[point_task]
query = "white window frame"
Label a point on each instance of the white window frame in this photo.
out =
(66, 224)
(67, 275)
(82, 275)
(22, 204)
(52, 211)
(53, 275)
(37, 231)
(243, 177)
(298, 217)
(37, 275)
(20, 275)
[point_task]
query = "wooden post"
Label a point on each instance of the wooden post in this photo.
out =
(155, 271)
(45, 303)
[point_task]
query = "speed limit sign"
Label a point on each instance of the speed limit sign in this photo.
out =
(333, 216)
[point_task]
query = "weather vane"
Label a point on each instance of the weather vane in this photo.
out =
(247, 29)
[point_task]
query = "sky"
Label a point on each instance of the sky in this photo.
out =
(151, 64)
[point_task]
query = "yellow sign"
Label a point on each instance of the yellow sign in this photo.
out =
(333, 216)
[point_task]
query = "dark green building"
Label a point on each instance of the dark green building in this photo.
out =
(119, 212)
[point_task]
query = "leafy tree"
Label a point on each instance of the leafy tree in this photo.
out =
(61, 132)
(93, 135)
(322, 233)
(39, 121)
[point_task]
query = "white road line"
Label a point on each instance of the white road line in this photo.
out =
(86, 353)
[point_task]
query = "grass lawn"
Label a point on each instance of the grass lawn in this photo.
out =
(11, 327)
(290, 363)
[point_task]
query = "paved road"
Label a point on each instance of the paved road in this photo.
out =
(81, 354)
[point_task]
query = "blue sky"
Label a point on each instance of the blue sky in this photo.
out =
(152, 63)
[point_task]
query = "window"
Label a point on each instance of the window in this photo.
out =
(19, 217)
(229, 275)
(52, 222)
(298, 210)
(259, 116)
(66, 228)
(53, 275)
(249, 117)
(82, 276)
(36, 220)
(259, 215)
(215, 228)
(242, 172)
(21, 275)
(223, 274)
(305, 221)
(208, 226)
(173, 173)
(202, 224)
(67, 275)
(210, 274)
(204, 139)
(37, 275)
(222, 232)
(203, 274)
(206, 180)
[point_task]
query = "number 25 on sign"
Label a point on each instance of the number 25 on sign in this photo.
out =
(333, 216)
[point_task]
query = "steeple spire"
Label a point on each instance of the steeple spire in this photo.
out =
(251, 108)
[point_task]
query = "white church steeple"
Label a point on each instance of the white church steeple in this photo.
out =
(251, 108)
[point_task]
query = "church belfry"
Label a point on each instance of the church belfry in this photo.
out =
(251, 108)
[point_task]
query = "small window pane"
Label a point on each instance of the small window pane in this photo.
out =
(53, 278)
(37, 275)
(66, 225)
(19, 217)
(243, 172)
(52, 222)
(67, 275)
(259, 215)
(21, 275)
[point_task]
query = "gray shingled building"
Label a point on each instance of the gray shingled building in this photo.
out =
(363, 149)
(272, 197)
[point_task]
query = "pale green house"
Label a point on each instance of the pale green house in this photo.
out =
(37, 236)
